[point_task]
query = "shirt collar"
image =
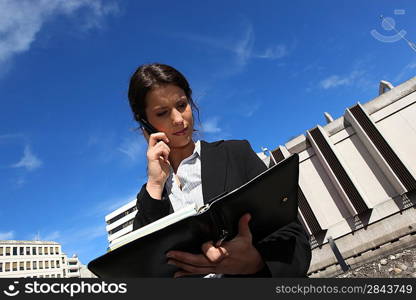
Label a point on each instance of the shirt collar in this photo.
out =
(197, 148)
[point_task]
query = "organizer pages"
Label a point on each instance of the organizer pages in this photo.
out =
(181, 214)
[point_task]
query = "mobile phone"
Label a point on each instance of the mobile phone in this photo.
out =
(148, 127)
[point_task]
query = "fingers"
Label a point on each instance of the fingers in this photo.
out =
(189, 259)
(154, 138)
(214, 254)
(160, 150)
(191, 269)
(243, 228)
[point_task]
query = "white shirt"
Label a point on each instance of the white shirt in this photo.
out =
(189, 175)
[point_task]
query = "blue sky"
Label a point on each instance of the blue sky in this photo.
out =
(264, 71)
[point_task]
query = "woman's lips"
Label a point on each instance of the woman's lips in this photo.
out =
(182, 132)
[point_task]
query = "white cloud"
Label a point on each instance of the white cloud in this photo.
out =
(249, 108)
(104, 207)
(211, 126)
(242, 48)
(275, 52)
(53, 236)
(408, 70)
(28, 161)
(74, 236)
(132, 147)
(20, 21)
(6, 235)
(8, 137)
(335, 80)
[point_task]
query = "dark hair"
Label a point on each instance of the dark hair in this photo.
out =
(150, 76)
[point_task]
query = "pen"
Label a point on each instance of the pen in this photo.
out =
(224, 234)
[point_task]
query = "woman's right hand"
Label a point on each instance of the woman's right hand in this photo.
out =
(158, 166)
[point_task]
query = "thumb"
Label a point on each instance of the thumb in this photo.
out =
(243, 228)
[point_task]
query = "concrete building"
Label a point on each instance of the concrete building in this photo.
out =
(357, 186)
(120, 221)
(38, 259)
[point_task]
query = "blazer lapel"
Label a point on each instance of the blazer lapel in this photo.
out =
(213, 169)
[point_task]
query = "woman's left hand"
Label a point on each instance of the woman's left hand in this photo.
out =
(237, 256)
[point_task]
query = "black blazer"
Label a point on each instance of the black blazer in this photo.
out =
(226, 165)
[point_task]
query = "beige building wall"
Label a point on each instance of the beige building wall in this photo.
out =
(393, 115)
(36, 259)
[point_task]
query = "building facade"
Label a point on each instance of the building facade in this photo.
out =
(120, 221)
(36, 259)
(357, 186)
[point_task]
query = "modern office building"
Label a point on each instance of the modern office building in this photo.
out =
(120, 221)
(357, 180)
(37, 259)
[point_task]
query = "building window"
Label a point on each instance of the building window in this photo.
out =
(27, 250)
(52, 275)
(64, 273)
(58, 275)
(63, 260)
(15, 266)
(52, 264)
(7, 251)
(57, 263)
(1, 251)
(41, 265)
(35, 265)
(7, 267)
(1, 267)
(46, 250)
(51, 250)
(14, 250)
(46, 276)
(46, 264)
(33, 250)
(28, 265)
(22, 265)
(22, 251)
(56, 250)
(40, 251)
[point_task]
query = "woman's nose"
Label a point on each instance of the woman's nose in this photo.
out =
(177, 117)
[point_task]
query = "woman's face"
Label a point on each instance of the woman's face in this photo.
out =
(169, 111)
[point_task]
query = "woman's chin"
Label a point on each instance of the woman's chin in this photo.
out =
(180, 142)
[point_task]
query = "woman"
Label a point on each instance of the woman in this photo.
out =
(182, 171)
